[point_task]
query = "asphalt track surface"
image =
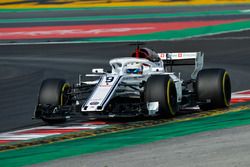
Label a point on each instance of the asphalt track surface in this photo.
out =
(23, 67)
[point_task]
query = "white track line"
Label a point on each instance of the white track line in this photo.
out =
(24, 136)
(245, 11)
(243, 91)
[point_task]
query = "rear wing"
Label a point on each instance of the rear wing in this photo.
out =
(184, 58)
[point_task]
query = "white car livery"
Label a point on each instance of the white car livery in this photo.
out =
(143, 84)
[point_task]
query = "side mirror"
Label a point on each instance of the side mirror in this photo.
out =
(98, 70)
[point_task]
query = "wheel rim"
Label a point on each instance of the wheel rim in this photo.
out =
(171, 97)
(226, 86)
(63, 96)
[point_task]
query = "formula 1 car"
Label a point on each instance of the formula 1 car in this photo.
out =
(143, 84)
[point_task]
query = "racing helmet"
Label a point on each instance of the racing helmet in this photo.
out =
(134, 68)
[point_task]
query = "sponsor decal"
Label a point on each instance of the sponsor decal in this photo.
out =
(94, 103)
(107, 85)
(163, 56)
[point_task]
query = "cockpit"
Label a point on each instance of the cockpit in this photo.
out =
(134, 68)
(143, 61)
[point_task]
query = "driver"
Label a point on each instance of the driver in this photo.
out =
(134, 68)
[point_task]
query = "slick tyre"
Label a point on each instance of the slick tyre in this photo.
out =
(161, 88)
(53, 93)
(213, 88)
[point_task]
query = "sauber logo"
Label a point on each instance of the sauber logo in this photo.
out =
(163, 56)
(179, 55)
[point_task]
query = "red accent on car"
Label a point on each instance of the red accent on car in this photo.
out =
(137, 52)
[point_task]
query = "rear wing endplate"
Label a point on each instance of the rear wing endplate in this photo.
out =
(184, 58)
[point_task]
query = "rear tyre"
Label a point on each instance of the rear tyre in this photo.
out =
(161, 88)
(53, 93)
(214, 88)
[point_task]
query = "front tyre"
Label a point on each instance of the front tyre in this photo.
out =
(161, 88)
(52, 95)
(213, 88)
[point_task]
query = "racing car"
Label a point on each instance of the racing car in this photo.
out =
(143, 84)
